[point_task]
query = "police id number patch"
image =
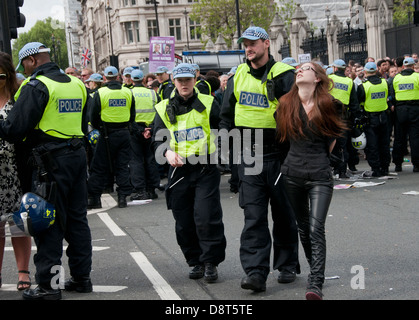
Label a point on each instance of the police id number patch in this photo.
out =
(69, 105)
(253, 99)
(117, 102)
(191, 134)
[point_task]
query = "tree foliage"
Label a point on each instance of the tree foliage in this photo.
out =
(402, 10)
(42, 32)
(219, 16)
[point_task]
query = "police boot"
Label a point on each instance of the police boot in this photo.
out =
(122, 201)
(93, 202)
(152, 193)
(41, 293)
(82, 284)
(142, 194)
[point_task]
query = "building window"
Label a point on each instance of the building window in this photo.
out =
(175, 29)
(193, 0)
(137, 31)
(130, 3)
(129, 32)
(152, 28)
(194, 32)
(172, 1)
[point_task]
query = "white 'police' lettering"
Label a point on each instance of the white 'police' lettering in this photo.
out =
(378, 95)
(253, 99)
(117, 102)
(69, 105)
(341, 86)
(406, 86)
(191, 134)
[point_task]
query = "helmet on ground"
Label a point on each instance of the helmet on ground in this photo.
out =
(93, 136)
(358, 139)
(35, 214)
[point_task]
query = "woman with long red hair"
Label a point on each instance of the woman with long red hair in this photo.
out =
(307, 117)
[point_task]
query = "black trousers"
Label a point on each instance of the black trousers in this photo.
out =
(378, 144)
(310, 201)
(71, 223)
(256, 192)
(193, 195)
(408, 119)
(120, 153)
(143, 166)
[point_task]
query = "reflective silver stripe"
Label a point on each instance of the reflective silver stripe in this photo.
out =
(144, 110)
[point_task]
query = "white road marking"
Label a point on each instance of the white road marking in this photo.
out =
(105, 289)
(33, 248)
(117, 231)
(164, 290)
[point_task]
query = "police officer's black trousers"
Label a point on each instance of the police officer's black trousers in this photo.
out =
(143, 166)
(256, 192)
(310, 201)
(378, 144)
(193, 195)
(71, 223)
(118, 148)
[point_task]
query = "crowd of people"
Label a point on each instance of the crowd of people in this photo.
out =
(105, 132)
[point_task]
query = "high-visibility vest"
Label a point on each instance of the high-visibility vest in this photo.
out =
(342, 88)
(253, 108)
(375, 96)
(191, 134)
(145, 100)
(115, 104)
(406, 87)
(63, 113)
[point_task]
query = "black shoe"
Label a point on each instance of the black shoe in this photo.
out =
(40, 293)
(83, 285)
(93, 202)
(376, 173)
(141, 195)
(352, 168)
(122, 202)
(415, 168)
(343, 175)
(286, 276)
(255, 282)
(210, 273)
(384, 171)
(314, 293)
(161, 187)
(152, 193)
(197, 272)
(398, 168)
(234, 189)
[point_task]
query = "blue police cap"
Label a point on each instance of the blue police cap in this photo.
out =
(254, 33)
(30, 49)
(184, 70)
(370, 66)
(162, 69)
(137, 75)
(111, 71)
(291, 61)
(127, 71)
(339, 63)
(95, 77)
(408, 61)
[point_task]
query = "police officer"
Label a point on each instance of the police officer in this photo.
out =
(405, 91)
(145, 175)
(249, 102)
(344, 91)
(166, 84)
(201, 84)
(50, 113)
(127, 79)
(192, 191)
(372, 94)
(113, 110)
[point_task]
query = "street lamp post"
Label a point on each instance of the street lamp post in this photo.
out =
(327, 13)
(108, 9)
(71, 44)
(187, 32)
(54, 53)
(157, 16)
(238, 21)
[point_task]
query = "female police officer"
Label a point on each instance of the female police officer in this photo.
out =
(192, 192)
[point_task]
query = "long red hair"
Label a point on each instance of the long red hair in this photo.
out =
(323, 117)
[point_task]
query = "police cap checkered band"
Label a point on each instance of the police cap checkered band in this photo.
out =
(184, 70)
(254, 33)
(28, 50)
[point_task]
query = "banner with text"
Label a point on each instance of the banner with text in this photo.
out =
(162, 53)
